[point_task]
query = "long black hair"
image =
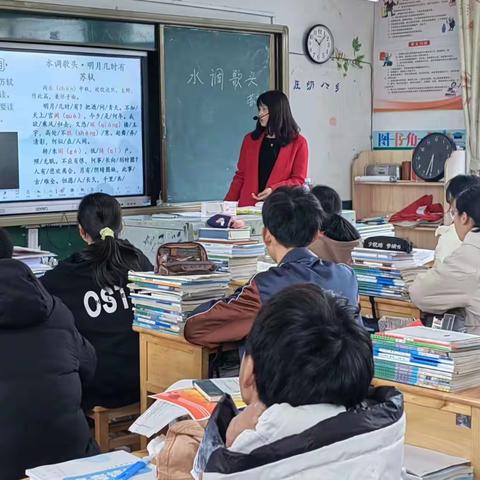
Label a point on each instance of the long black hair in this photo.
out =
(458, 184)
(335, 226)
(6, 245)
(110, 257)
(469, 202)
(280, 121)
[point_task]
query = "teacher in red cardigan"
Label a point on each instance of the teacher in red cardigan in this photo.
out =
(272, 156)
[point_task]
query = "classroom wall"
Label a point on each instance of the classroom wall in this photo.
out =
(335, 112)
(419, 120)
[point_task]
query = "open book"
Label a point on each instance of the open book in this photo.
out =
(181, 400)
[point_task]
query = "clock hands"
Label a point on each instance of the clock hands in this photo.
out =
(430, 165)
(321, 41)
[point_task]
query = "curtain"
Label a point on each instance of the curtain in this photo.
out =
(469, 32)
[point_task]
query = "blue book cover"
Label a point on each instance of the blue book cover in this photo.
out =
(224, 233)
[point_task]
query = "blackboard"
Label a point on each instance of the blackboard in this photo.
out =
(211, 82)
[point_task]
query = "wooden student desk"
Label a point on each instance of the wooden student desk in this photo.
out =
(446, 422)
(386, 306)
(165, 359)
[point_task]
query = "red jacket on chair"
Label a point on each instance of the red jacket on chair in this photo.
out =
(289, 169)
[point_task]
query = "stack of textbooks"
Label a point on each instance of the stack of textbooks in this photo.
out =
(367, 230)
(39, 261)
(232, 250)
(388, 274)
(427, 357)
(163, 302)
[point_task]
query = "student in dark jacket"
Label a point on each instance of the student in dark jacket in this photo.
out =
(93, 284)
(44, 363)
(338, 236)
(292, 219)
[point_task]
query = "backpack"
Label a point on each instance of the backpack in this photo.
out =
(183, 258)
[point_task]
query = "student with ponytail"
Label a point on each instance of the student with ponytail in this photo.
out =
(338, 236)
(455, 283)
(93, 284)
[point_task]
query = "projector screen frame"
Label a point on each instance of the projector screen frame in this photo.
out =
(42, 206)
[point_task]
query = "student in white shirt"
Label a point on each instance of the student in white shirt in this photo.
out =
(455, 282)
(448, 240)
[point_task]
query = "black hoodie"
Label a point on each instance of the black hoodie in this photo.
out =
(105, 318)
(44, 361)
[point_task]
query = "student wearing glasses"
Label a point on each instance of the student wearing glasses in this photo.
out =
(448, 240)
(455, 282)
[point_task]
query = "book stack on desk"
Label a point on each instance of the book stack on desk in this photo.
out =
(232, 250)
(163, 302)
(426, 357)
(39, 261)
(388, 274)
(367, 230)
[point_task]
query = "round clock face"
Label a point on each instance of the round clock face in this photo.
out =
(319, 44)
(430, 155)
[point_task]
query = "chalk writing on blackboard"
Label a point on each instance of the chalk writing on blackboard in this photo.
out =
(194, 78)
(236, 79)
(217, 77)
(252, 99)
(252, 80)
(217, 80)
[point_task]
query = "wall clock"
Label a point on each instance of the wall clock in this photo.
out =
(319, 44)
(430, 155)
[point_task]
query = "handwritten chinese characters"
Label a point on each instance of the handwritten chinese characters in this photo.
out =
(311, 85)
(236, 80)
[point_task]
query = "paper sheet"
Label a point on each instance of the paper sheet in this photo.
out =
(160, 414)
(100, 467)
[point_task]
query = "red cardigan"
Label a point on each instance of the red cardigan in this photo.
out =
(289, 169)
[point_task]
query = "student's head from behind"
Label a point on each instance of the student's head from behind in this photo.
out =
(6, 245)
(100, 223)
(334, 225)
(292, 217)
(305, 348)
(458, 184)
(96, 212)
(275, 117)
(329, 199)
(466, 213)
